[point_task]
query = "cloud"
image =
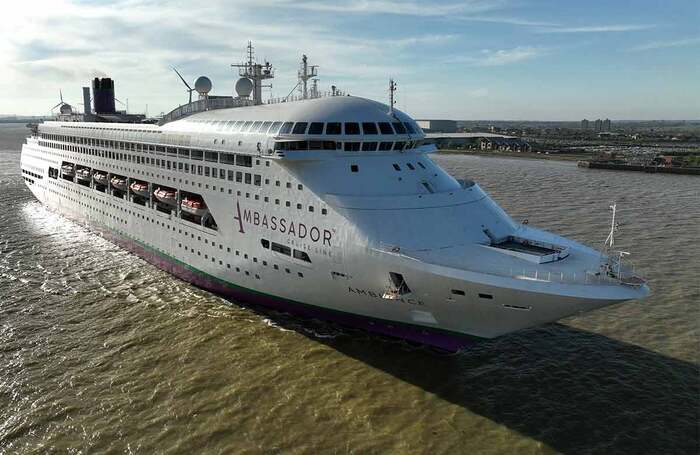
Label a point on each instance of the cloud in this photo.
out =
(597, 28)
(500, 57)
(408, 8)
(667, 44)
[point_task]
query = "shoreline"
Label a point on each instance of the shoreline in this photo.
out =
(517, 155)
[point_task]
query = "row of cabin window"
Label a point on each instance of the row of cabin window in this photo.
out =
(196, 155)
(346, 146)
(330, 128)
(284, 249)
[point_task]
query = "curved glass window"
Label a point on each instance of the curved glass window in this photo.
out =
(409, 127)
(386, 128)
(333, 128)
(316, 128)
(286, 127)
(274, 128)
(400, 129)
(369, 128)
(299, 128)
(352, 128)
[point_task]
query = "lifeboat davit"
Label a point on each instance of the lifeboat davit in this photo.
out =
(139, 188)
(100, 178)
(118, 182)
(83, 174)
(68, 170)
(194, 206)
(166, 196)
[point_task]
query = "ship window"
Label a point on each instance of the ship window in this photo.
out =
(265, 126)
(199, 170)
(369, 128)
(299, 128)
(385, 128)
(458, 292)
(246, 127)
(410, 166)
(317, 145)
(316, 128)
(227, 158)
(265, 243)
(244, 160)
(255, 127)
(302, 256)
(257, 180)
(239, 176)
(352, 128)
(222, 174)
(333, 128)
(352, 146)
(274, 128)
(399, 145)
(197, 155)
(183, 153)
(354, 168)
(369, 146)
(248, 177)
(283, 249)
(384, 146)
(421, 165)
(485, 296)
(206, 171)
(400, 129)
(286, 127)
(409, 127)
(427, 186)
(397, 167)
(211, 156)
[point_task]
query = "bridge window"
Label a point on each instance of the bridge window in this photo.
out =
(302, 256)
(409, 127)
(211, 156)
(352, 128)
(333, 128)
(369, 146)
(385, 128)
(246, 127)
(384, 146)
(399, 145)
(352, 146)
(244, 160)
(400, 129)
(286, 127)
(283, 249)
(274, 128)
(369, 128)
(316, 128)
(255, 127)
(265, 126)
(197, 155)
(299, 128)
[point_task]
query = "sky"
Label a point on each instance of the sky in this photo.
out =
(465, 60)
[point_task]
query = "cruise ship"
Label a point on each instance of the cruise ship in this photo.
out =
(328, 207)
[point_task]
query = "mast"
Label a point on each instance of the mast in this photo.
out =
(392, 90)
(305, 73)
(256, 72)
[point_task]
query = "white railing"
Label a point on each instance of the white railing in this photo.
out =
(608, 272)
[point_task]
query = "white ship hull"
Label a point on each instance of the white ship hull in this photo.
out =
(456, 291)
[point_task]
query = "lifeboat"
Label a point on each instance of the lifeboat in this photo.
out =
(83, 174)
(140, 188)
(166, 196)
(68, 170)
(194, 206)
(118, 182)
(100, 178)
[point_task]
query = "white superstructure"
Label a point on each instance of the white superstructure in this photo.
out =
(327, 206)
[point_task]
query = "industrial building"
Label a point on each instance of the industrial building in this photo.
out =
(438, 126)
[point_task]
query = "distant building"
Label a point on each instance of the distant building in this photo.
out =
(438, 126)
(585, 124)
(504, 144)
(607, 125)
(598, 125)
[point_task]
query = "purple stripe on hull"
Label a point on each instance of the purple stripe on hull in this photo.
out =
(447, 341)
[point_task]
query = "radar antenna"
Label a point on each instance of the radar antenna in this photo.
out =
(305, 73)
(61, 103)
(392, 90)
(189, 89)
(256, 72)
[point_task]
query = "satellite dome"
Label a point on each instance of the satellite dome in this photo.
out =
(202, 85)
(244, 87)
(66, 109)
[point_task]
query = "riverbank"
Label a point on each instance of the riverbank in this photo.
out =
(522, 155)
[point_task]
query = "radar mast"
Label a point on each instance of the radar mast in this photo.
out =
(256, 72)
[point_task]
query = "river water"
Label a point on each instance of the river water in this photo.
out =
(102, 352)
